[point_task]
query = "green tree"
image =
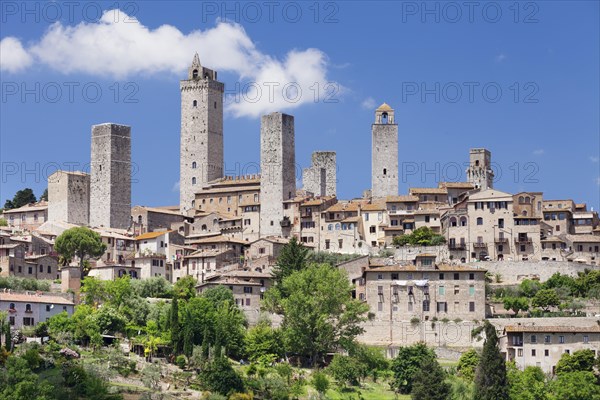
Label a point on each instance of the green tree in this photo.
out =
(185, 288)
(530, 287)
(577, 385)
(580, 360)
(345, 370)
(262, 342)
(176, 341)
(371, 359)
(429, 382)
(80, 242)
(44, 196)
(320, 383)
(219, 376)
(423, 236)
(291, 259)
(319, 313)
(490, 377)
(3, 222)
(406, 364)
(545, 299)
(18, 382)
(467, 364)
(529, 384)
(516, 304)
(21, 198)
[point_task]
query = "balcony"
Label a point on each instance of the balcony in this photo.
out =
(457, 246)
(523, 240)
(400, 212)
(479, 245)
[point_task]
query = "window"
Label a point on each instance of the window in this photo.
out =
(442, 306)
(441, 276)
(327, 243)
(394, 276)
(30, 270)
(366, 216)
(441, 290)
(427, 218)
(49, 269)
(247, 289)
(27, 321)
(533, 353)
(533, 339)
(247, 302)
(452, 221)
(547, 339)
(519, 352)
(379, 277)
(194, 181)
(194, 165)
(11, 320)
(561, 339)
(379, 306)
(456, 289)
(471, 276)
(471, 290)
(456, 276)
(586, 339)
(372, 229)
(425, 305)
(479, 221)
(471, 306)
(501, 223)
(28, 308)
(546, 353)
(48, 308)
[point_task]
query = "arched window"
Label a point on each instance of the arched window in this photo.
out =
(385, 171)
(193, 180)
(330, 227)
(204, 227)
(139, 219)
(521, 199)
(194, 165)
(479, 221)
(477, 163)
(195, 103)
(28, 308)
(452, 221)
(215, 221)
(527, 200)
(11, 306)
(193, 203)
(384, 118)
(463, 221)
(195, 73)
(337, 227)
(524, 213)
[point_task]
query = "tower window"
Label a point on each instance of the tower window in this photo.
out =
(195, 74)
(195, 103)
(385, 171)
(384, 118)
(477, 163)
(194, 181)
(215, 104)
(194, 165)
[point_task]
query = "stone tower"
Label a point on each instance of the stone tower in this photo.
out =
(277, 172)
(69, 197)
(384, 162)
(480, 172)
(320, 178)
(110, 183)
(201, 148)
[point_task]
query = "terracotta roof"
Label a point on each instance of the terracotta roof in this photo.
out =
(584, 238)
(217, 239)
(161, 210)
(34, 298)
(10, 245)
(402, 199)
(552, 329)
(40, 206)
(345, 206)
(456, 185)
(393, 228)
(553, 239)
(384, 107)
(248, 274)
(206, 253)
(317, 201)
(428, 190)
(374, 207)
(151, 235)
(235, 180)
(228, 189)
(273, 239)
(351, 219)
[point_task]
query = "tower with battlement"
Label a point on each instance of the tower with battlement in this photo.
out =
(320, 178)
(480, 172)
(110, 178)
(277, 172)
(384, 161)
(201, 146)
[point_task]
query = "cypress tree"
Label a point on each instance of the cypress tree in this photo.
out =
(490, 379)
(429, 382)
(291, 259)
(175, 326)
(7, 337)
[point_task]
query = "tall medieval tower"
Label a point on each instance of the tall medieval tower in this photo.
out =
(480, 172)
(201, 148)
(110, 178)
(277, 172)
(384, 162)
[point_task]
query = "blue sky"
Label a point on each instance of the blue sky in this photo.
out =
(522, 81)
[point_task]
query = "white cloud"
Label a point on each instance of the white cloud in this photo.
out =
(538, 152)
(113, 48)
(368, 103)
(594, 159)
(175, 187)
(13, 57)
(500, 57)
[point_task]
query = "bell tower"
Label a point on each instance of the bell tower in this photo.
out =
(201, 147)
(384, 162)
(480, 172)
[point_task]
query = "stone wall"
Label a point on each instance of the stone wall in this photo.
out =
(516, 271)
(110, 183)
(277, 166)
(321, 177)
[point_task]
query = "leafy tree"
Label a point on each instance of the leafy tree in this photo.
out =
(371, 359)
(406, 364)
(516, 304)
(262, 342)
(17, 382)
(558, 280)
(320, 383)
(291, 259)
(319, 313)
(109, 320)
(3, 222)
(467, 364)
(429, 382)
(545, 299)
(529, 384)
(21, 198)
(580, 360)
(490, 377)
(44, 196)
(530, 287)
(185, 288)
(80, 242)
(577, 385)
(155, 286)
(345, 370)
(423, 236)
(219, 376)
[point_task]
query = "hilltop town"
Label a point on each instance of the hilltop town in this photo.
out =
(431, 264)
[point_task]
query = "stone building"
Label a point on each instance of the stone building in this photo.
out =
(542, 345)
(384, 158)
(201, 147)
(320, 178)
(149, 219)
(278, 172)
(480, 173)
(110, 185)
(69, 197)
(29, 309)
(29, 217)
